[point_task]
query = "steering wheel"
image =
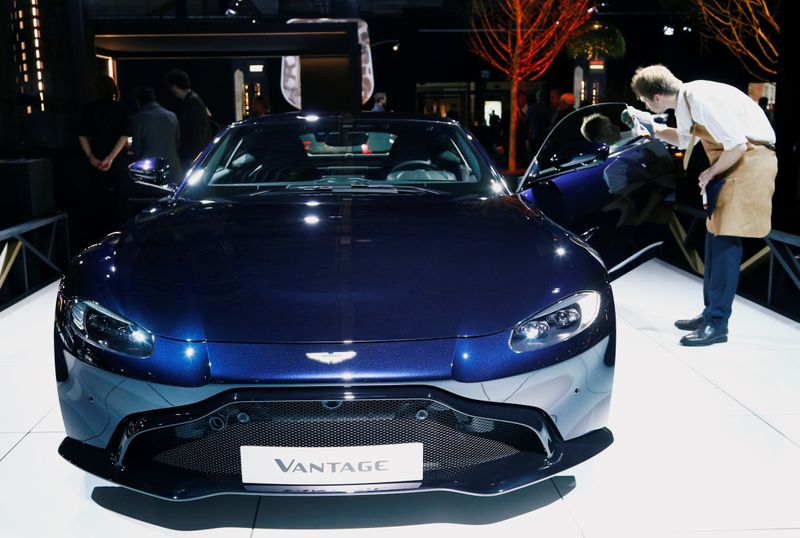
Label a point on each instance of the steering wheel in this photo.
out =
(413, 165)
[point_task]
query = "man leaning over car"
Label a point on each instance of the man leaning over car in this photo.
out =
(739, 142)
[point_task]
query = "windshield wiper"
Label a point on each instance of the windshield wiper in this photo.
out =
(365, 188)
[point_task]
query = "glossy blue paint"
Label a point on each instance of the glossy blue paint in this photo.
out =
(374, 362)
(372, 269)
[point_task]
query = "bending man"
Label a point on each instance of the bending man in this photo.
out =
(739, 142)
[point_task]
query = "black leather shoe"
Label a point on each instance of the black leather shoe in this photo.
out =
(705, 336)
(690, 324)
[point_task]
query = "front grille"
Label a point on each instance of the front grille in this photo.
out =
(453, 442)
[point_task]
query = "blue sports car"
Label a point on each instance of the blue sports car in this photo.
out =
(334, 304)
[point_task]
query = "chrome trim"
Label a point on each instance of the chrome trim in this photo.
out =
(635, 255)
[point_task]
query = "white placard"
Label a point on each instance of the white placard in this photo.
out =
(331, 465)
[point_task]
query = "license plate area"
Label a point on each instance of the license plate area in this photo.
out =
(375, 464)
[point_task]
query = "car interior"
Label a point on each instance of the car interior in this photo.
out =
(322, 157)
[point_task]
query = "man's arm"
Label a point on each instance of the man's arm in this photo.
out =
(726, 160)
(667, 134)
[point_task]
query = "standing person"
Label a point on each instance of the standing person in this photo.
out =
(566, 106)
(763, 104)
(539, 116)
(380, 102)
(739, 184)
(155, 131)
(103, 134)
(555, 98)
(193, 117)
(523, 152)
(260, 107)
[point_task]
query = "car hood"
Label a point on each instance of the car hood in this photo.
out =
(334, 269)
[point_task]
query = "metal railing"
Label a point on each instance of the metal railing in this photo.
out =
(17, 251)
(778, 248)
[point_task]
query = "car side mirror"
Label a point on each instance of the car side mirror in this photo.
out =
(153, 172)
(579, 153)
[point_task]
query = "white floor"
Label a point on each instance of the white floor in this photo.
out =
(707, 445)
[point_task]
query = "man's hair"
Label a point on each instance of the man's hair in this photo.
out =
(144, 94)
(379, 96)
(599, 129)
(179, 79)
(654, 79)
(105, 88)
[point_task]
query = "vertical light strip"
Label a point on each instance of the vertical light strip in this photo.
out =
(26, 29)
(37, 53)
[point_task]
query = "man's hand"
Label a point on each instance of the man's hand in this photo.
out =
(727, 159)
(633, 118)
(95, 161)
(703, 179)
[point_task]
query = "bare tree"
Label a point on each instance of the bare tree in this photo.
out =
(521, 38)
(747, 28)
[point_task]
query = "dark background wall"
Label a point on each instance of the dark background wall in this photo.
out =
(212, 79)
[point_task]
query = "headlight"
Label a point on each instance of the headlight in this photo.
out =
(563, 320)
(107, 330)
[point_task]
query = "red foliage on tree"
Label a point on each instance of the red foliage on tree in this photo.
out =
(521, 38)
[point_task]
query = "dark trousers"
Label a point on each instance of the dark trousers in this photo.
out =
(722, 260)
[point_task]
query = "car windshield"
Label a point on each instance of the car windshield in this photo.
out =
(305, 153)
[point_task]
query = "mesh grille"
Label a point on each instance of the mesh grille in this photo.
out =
(453, 442)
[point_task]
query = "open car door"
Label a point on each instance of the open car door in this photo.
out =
(613, 187)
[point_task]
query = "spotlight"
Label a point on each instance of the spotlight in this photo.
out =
(669, 30)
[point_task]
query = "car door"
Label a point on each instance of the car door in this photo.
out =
(615, 191)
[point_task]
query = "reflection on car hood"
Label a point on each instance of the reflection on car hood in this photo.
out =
(355, 268)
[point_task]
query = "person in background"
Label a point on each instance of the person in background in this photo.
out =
(193, 117)
(539, 116)
(738, 185)
(155, 131)
(259, 107)
(380, 102)
(103, 134)
(523, 151)
(104, 125)
(566, 106)
(763, 104)
(452, 113)
(555, 98)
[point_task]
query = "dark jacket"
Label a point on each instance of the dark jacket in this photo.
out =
(195, 127)
(156, 133)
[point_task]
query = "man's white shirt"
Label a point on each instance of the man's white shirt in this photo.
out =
(730, 116)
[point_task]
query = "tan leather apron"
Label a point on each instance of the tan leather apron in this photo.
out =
(744, 206)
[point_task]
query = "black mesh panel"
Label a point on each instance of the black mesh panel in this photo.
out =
(453, 442)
